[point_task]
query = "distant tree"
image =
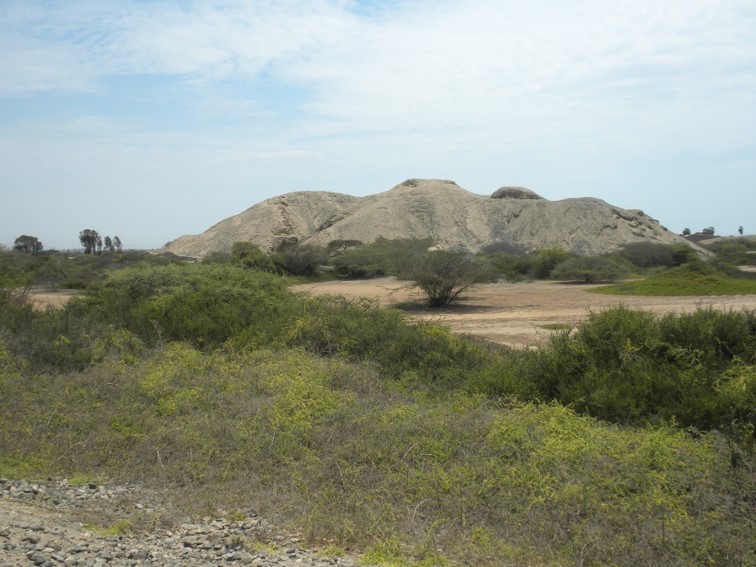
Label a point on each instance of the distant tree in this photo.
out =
(740, 230)
(248, 255)
(443, 275)
(654, 254)
(363, 262)
(591, 269)
(28, 244)
(382, 257)
(336, 246)
(300, 260)
(709, 230)
(117, 243)
(88, 238)
(109, 244)
(686, 232)
(547, 259)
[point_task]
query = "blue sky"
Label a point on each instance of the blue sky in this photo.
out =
(154, 119)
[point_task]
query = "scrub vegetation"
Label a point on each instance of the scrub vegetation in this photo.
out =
(626, 440)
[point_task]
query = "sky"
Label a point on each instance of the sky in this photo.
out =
(152, 119)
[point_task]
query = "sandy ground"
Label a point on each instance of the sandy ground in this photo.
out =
(515, 314)
(43, 300)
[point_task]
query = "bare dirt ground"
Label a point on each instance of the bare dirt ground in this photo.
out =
(519, 314)
(42, 300)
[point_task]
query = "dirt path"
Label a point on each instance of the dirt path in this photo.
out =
(515, 314)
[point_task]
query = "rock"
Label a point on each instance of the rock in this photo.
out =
(515, 193)
(44, 534)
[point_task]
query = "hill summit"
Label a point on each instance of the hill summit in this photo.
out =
(514, 217)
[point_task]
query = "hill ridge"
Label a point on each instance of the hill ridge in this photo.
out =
(441, 209)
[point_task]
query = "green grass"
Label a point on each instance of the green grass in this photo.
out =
(689, 279)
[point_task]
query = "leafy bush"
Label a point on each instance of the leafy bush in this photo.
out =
(362, 262)
(205, 305)
(514, 267)
(628, 366)
(383, 257)
(361, 331)
(248, 255)
(300, 260)
(655, 255)
(591, 269)
(547, 259)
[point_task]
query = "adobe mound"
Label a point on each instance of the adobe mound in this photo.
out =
(439, 209)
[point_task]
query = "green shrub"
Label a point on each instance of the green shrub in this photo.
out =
(514, 267)
(734, 251)
(623, 365)
(656, 255)
(591, 269)
(547, 259)
(383, 257)
(361, 331)
(300, 260)
(205, 305)
(362, 262)
(248, 255)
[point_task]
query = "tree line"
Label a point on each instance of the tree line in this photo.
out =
(93, 243)
(90, 239)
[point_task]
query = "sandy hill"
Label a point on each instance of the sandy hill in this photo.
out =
(441, 209)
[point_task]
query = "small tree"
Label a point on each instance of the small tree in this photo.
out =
(28, 244)
(709, 230)
(444, 274)
(117, 243)
(109, 244)
(686, 232)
